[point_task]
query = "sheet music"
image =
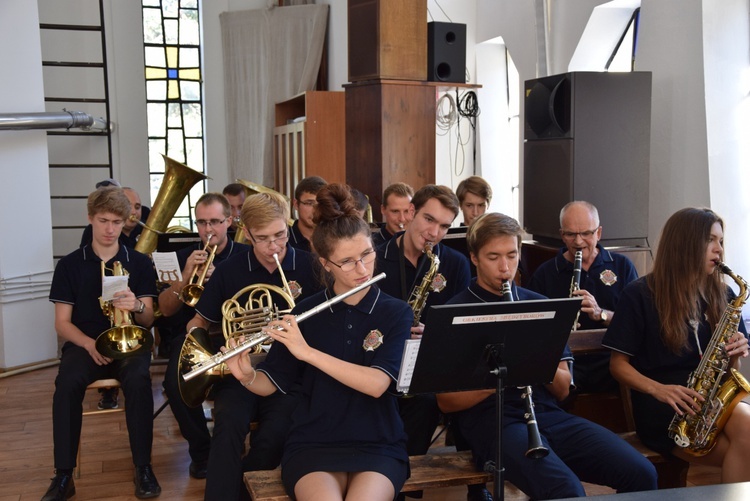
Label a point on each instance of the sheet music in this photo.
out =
(411, 348)
(112, 285)
(167, 266)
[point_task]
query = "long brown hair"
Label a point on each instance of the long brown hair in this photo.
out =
(678, 279)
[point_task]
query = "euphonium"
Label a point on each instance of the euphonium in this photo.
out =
(418, 298)
(237, 320)
(176, 184)
(124, 338)
(536, 449)
(191, 292)
(721, 390)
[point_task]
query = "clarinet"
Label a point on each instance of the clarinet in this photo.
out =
(536, 449)
(575, 281)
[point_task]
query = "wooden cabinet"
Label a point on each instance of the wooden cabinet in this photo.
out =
(308, 139)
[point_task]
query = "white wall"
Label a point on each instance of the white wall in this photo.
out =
(26, 317)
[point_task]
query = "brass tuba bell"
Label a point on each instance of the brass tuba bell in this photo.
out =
(125, 338)
(176, 184)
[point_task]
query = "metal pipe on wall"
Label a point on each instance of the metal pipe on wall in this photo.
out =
(52, 120)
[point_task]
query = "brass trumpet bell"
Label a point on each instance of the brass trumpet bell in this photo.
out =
(124, 341)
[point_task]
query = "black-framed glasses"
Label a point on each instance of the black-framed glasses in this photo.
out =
(265, 241)
(347, 266)
(209, 222)
(308, 203)
(571, 235)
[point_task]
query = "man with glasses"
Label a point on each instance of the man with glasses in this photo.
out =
(405, 263)
(604, 275)
(213, 218)
(265, 217)
(304, 203)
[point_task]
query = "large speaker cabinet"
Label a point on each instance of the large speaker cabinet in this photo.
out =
(387, 39)
(587, 137)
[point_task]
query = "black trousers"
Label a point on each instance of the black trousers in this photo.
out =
(420, 415)
(235, 407)
(77, 371)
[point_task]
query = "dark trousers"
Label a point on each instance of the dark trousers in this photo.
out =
(579, 450)
(77, 371)
(191, 420)
(420, 415)
(235, 407)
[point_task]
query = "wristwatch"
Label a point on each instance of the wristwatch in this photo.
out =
(603, 317)
(143, 307)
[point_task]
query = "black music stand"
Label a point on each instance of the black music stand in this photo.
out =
(493, 345)
(168, 242)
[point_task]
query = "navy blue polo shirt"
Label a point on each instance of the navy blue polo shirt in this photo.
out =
(605, 280)
(78, 281)
(453, 269)
(331, 413)
(381, 236)
(636, 331)
(244, 269)
(186, 313)
(513, 405)
(296, 239)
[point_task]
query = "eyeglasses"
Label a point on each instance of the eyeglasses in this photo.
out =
(264, 241)
(347, 266)
(210, 222)
(308, 203)
(571, 235)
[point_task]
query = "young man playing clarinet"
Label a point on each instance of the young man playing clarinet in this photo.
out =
(579, 450)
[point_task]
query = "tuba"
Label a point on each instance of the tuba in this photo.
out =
(237, 320)
(418, 298)
(721, 389)
(124, 338)
(191, 292)
(176, 184)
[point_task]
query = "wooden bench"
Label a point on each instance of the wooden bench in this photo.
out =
(431, 471)
(615, 412)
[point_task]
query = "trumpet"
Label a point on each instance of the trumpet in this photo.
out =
(205, 365)
(191, 292)
(124, 338)
(536, 449)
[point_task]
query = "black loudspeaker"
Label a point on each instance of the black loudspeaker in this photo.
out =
(588, 137)
(446, 52)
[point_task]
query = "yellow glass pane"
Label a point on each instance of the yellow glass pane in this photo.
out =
(171, 56)
(191, 74)
(173, 90)
(155, 73)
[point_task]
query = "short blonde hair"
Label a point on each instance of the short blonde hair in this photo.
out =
(110, 199)
(261, 209)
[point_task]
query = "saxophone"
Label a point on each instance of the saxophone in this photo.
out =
(722, 390)
(418, 297)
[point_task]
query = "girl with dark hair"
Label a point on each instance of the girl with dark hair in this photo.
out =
(663, 325)
(347, 440)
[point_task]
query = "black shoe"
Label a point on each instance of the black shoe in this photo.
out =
(146, 485)
(61, 488)
(479, 495)
(198, 469)
(109, 399)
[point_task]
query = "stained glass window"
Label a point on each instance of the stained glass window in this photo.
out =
(172, 50)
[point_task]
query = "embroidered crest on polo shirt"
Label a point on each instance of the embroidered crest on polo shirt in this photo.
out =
(373, 340)
(439, 283)
(295, 288)
(608, 277)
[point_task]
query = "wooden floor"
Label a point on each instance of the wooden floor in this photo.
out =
(26, 449)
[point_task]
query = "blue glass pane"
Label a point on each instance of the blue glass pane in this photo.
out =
(171, 73)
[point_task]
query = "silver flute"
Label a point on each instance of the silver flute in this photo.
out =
(220, 357)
